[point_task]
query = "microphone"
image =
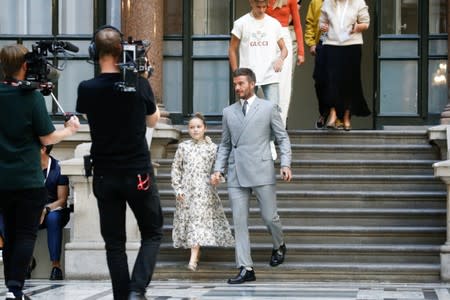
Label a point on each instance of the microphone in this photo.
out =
(54, 46)
(67, 46)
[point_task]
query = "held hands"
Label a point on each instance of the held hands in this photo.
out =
(286, 174)
(215, 178)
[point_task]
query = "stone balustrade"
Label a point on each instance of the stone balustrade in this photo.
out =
(440, 136)
(85, 256)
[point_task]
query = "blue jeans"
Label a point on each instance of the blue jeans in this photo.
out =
(113, 192)
(21, 212)
(270, 92)
(55, 222)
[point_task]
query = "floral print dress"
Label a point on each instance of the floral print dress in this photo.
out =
(199, 219)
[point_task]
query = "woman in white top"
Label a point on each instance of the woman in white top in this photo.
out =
(344, 21)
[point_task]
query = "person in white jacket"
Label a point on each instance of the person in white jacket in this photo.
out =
(344, 21)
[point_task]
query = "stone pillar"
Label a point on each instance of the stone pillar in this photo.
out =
(143, 19)
(442, 170)
(445, 115)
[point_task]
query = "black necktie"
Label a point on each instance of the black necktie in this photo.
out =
(244, 108)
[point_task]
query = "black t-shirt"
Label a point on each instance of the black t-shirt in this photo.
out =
(117, 123)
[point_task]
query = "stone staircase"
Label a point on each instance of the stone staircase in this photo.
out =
(363, 205)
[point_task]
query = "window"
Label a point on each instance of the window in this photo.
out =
(29, 21)
(196, 69)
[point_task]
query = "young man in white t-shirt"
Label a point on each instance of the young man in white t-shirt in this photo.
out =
(256, 43)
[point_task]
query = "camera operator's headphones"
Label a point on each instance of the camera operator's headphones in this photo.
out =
(93, 54)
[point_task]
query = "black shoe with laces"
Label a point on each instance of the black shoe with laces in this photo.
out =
(56, 274)
(277, 257)
(243, 276)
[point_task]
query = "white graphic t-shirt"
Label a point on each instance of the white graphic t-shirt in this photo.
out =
(258, 48)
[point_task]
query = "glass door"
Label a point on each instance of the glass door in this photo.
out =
(411, 61)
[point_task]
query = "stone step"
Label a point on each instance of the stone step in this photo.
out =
(395, 235)
(363, 151)
(313, 253)
(353, 152)
(342, 217)
(340, 137)
(350, 166)
(383, 272)
(339, 199)
(347, 182)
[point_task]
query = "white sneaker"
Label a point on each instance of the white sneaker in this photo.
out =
(273, 150)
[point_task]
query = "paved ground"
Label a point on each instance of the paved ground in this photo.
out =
(161, 290)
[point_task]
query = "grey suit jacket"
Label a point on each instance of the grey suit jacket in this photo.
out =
(245, 149)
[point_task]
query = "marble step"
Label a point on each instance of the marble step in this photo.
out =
(353, 151)
(347, 166)
(342, 217)
(308, 271)
(313, 253)
(339, 137)
(347, 183)
(395, 235)
(339, 199)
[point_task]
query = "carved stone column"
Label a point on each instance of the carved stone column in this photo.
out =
(445, 115)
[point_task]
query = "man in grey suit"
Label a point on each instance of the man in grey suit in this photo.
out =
(247, 127)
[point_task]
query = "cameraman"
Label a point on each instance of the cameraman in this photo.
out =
(122, 169)
(24, 126)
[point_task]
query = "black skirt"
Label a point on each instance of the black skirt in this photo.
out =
(343, 89)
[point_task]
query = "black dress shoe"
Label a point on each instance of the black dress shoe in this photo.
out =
(56, 274)
(243, 276)
(136, 296)
(277, 257)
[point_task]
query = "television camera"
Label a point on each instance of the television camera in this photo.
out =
(41, 74)
(134, 63)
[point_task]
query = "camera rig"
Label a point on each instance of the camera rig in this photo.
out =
(134, 63)
(41, 74)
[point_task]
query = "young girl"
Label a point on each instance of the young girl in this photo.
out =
(199, 219)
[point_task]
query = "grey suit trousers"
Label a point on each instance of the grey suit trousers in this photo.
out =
(240, 198)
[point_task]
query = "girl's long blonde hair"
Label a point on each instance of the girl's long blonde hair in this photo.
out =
(280, 3)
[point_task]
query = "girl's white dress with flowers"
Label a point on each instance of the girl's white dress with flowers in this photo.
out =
(199, 219)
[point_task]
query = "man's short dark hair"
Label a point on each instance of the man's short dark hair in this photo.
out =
(108, 42)
(251, 77)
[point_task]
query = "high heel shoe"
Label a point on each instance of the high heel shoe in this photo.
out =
(347, 127)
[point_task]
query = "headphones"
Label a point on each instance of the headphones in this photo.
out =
(93, 55)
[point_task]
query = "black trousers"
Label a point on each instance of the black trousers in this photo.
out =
(21, 210)
(319, 76)
(113, 192)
